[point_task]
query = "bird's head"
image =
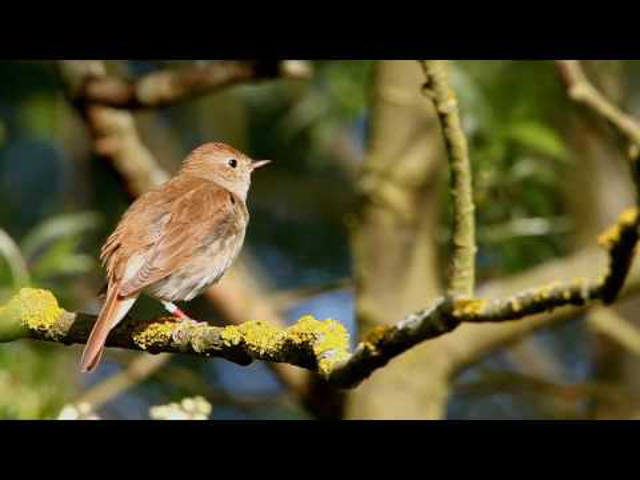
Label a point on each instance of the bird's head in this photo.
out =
(224, 165)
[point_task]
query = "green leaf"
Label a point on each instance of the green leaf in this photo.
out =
(538, 137)
(15, 261)
(55, 228)
(61, 259)
(39, 114)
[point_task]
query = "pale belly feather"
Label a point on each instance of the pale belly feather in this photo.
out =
(204, 270)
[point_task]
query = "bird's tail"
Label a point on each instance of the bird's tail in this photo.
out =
(113, 311)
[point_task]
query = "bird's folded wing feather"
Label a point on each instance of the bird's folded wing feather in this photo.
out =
(192, 220)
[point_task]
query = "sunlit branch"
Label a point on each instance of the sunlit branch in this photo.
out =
(322, 347)
(437, 88)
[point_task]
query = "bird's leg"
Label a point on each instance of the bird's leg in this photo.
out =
(176, 312)
(183, 320)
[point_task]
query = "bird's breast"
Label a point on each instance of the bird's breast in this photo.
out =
(206, 266)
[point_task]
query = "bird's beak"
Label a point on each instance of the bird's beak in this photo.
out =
(259, 163)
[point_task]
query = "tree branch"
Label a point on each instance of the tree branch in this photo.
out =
(170, 86)
(113, 131)
(622, 238)
(615, 326)
(310, 344)
(134, 373)
(581, 90)
(321, 347)
(437, 88)
(116, 138)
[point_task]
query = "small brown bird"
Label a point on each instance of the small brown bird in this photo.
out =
(176, 240)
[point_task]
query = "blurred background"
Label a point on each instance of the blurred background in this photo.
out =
(549, 176)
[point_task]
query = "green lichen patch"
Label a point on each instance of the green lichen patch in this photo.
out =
(609, 238)
(260, 337)
(376, 335)
(34, 309)
(153, 334)
(231, 336)
(328, 340)
(545, 292)
(468, 307)
(515, 304)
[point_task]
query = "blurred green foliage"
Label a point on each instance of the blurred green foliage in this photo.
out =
(43, 239)
(515, 114)
(34, 382)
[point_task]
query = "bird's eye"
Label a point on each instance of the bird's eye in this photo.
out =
(233, 163)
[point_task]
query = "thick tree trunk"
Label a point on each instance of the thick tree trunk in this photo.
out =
(395, 263)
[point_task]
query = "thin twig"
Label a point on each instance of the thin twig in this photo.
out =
(284, 299)
(610, 323)
(113, 131)
(518, 382)
(621, 240)
(437, 88)
(145, 366)
(138, 370)
(581, 90)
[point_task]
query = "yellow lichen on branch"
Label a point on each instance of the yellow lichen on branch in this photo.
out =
(328, 339)
(36, 308)
(313, 344)
(158, 332)
(29, 309)
(611, 236)
(468, 306)
(259, 336)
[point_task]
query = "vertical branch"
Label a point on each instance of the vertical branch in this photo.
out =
(395, 259)
(463, 267)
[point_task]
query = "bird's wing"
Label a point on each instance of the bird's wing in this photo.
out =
(195, 220)
(139, 229)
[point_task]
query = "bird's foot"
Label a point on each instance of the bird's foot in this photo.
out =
(177, 313)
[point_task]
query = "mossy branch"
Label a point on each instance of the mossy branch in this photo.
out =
(170, 86)
(437, 88)
(319, 346)
(311, 344)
